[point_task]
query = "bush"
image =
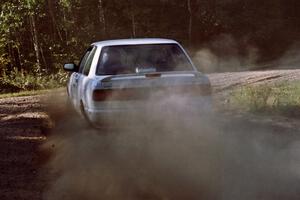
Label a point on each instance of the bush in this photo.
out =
(280, 98)
(17, 81)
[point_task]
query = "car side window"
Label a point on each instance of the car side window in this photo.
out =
(83, 60)
(89, 61)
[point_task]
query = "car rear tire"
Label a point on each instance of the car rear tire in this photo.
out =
(89, 123)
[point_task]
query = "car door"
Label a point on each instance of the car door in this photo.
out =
(83, 77)
(75, 79)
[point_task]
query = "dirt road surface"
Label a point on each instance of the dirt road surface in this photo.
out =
(25, 125)
(224, 81)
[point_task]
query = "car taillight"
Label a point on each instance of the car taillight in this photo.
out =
(101, 95)
(118, 94)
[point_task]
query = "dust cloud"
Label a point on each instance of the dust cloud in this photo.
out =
(226, 54)
(166, 152)
(290, 59)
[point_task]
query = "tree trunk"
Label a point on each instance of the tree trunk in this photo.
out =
(10, 56)
(132, 16)
(189, 7)
(102, 18)
(133, 25)
(44, 60)
(35, 42)
(17, 51)
(54, 24)
(17, 58)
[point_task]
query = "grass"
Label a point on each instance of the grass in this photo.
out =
(22, 83)
(283, 99)
(23, 93)
(32, 92)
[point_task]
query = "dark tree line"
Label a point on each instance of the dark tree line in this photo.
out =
(39, 35)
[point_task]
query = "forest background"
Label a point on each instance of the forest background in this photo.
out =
(38, 36)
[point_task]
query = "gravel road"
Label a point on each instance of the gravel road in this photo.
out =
(26, 122)
(225, 81)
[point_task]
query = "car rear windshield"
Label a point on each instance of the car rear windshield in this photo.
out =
(129, 59)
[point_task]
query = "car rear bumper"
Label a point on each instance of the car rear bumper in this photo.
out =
(116, 114)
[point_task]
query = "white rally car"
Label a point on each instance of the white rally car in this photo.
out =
(116, 77)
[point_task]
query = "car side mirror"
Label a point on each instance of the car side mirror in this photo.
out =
(71, 67)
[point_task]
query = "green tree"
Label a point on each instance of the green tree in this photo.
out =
(11, 28)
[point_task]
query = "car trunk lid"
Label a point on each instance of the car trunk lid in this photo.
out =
(142, 86)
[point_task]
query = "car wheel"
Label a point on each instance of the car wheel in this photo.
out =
(89, 123)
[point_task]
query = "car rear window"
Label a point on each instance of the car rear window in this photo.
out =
(129, 59)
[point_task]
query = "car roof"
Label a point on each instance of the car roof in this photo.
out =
(134, 42)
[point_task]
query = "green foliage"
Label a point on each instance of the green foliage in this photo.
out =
(11, 18)
(24, 93)
(22, 81)
(11, 23)
(281, 98)
(41, 35)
